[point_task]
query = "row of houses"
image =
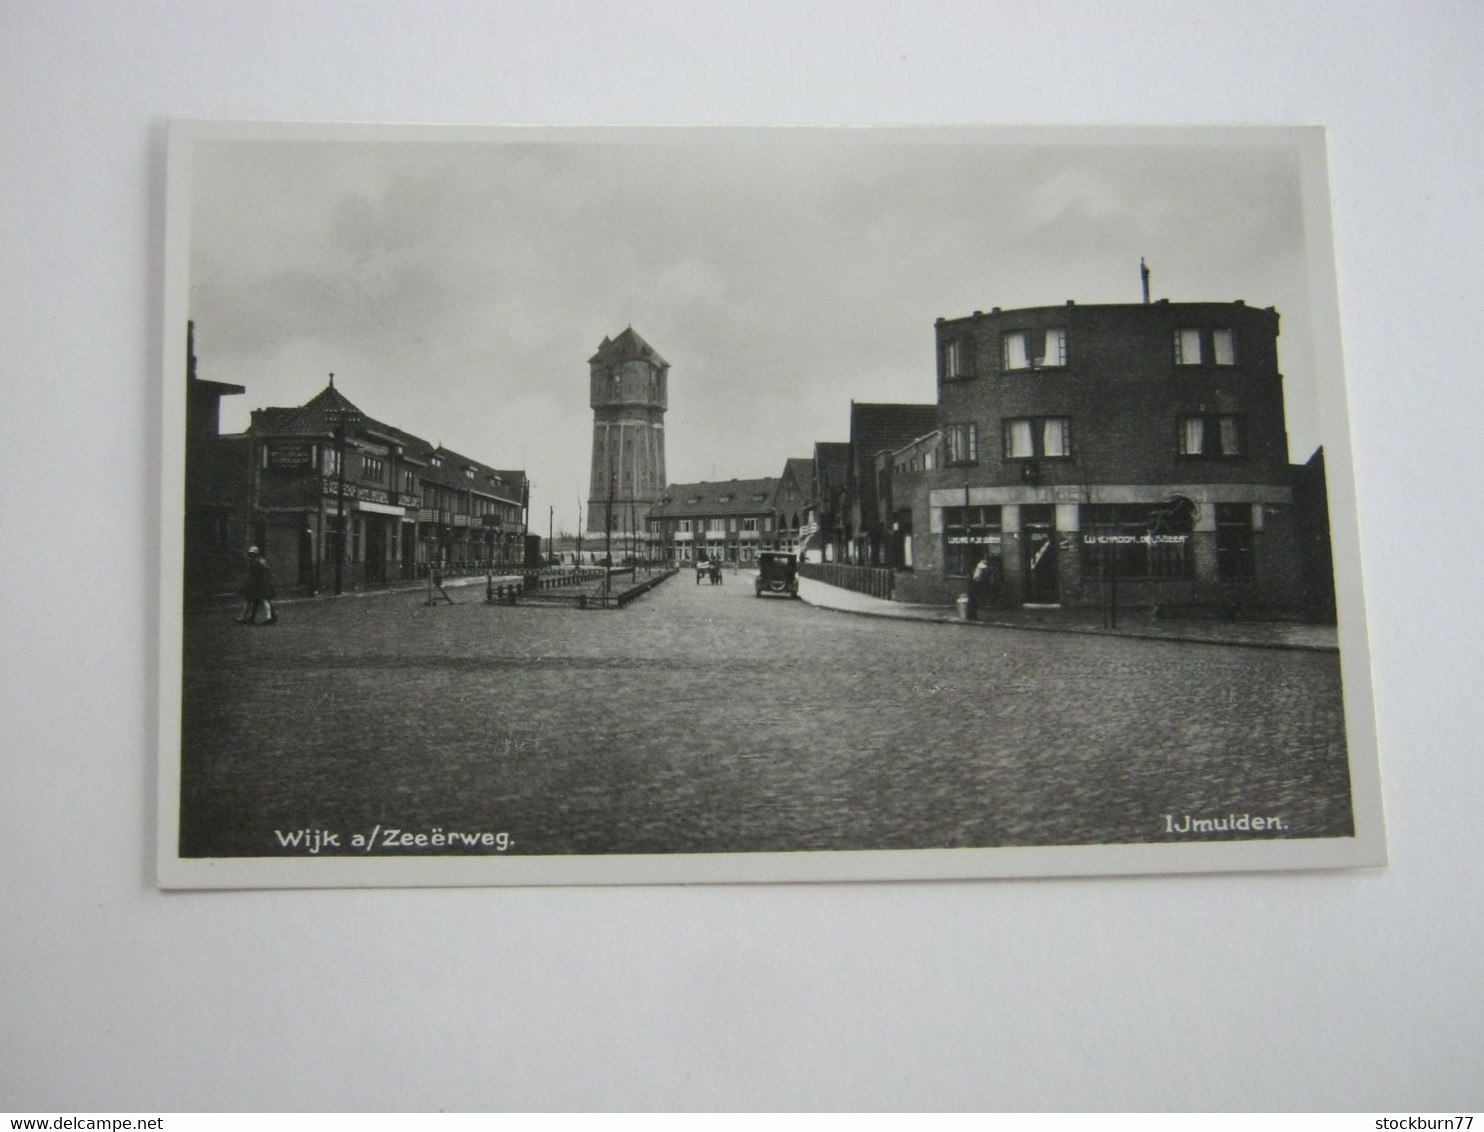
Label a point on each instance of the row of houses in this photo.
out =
(1076, 451)
(334, 498)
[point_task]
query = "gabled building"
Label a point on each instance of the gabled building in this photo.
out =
(828, 524)
(790, 504)
(727, 520)
(341, 500)
(876, 428)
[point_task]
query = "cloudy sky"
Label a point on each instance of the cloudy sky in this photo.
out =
(456, 288)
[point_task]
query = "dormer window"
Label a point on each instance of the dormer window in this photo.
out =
(468, 473)
(437, 461)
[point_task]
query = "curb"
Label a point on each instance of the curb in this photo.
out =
(1134, 635)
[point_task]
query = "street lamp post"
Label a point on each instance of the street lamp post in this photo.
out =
(340, 505)
(608, 537)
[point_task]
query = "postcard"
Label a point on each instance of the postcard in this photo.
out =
(629, 506)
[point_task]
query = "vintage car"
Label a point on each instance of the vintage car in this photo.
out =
(777, 573)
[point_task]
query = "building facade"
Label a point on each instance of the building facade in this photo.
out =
(825, 536)
(790, 505)
(876, 428)
(340, 500)
(1132, 452)
(218, 470)
(728, 521)
(628, 391)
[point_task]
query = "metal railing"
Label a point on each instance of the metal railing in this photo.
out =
(875, 581)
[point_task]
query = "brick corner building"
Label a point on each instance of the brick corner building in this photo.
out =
(1136, 450)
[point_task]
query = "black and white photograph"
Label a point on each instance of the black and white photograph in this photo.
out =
(559, 506)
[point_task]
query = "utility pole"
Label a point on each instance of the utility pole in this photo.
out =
(550, 533)
(340, 498)
(608, 536)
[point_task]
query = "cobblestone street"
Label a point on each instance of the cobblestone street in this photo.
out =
(701, 719)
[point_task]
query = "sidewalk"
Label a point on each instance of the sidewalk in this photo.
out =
(1133, 623)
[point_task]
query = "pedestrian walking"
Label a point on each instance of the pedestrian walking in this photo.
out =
(258, 590)
(979, 586)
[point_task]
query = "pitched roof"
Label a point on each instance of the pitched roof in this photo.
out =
(832, 457)
(799, 471)
(877, 426)
(323, 413)
(721, 497)
(452, 472)
(627, 347)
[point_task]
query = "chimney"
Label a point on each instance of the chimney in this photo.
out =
(1144, 275)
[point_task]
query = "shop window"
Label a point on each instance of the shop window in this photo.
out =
(1137, 540)
(1211, 436)
(1031, 438)
(1187, 347)
(1224, 347)
(1235, 557)
(969, 534)
(961, 444)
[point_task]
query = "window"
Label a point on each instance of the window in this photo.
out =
(1235, 557)
(1138, 540)
(749, 524)
(1211, 436)
(1224, 347)
(1054, 352)
(961, 444)
(437, 461)
(1015, 349)
(683, 525)
(372, 467)
(468, 473)
(958, 360)
(409, 480)
(332, 460)
(716, 525)
(1027, 438)
(1187, 347)
(969, 534)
